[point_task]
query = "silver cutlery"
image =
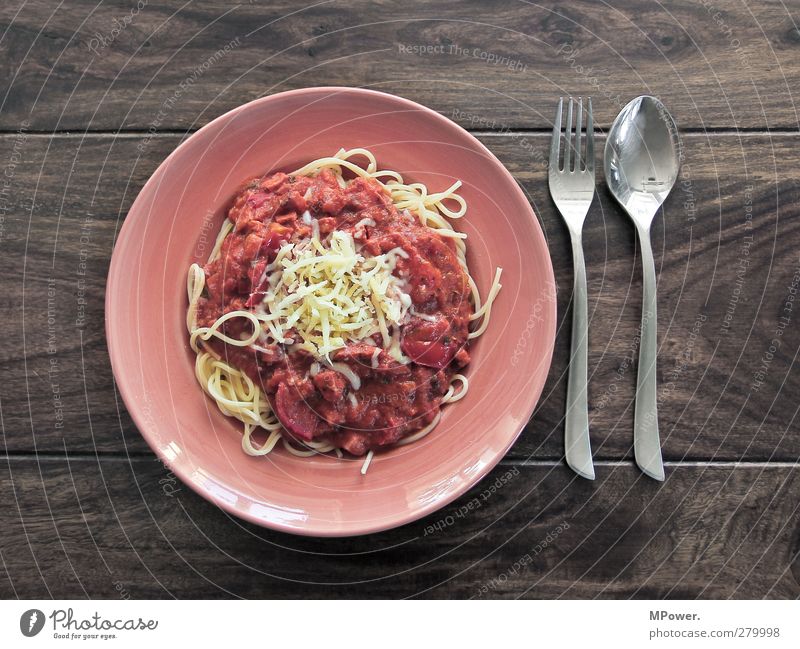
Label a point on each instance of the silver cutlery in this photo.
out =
(571, 180)
(642, 158)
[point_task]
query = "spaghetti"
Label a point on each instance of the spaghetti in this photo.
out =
(335, 309)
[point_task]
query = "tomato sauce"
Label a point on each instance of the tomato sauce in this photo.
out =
(394, 399)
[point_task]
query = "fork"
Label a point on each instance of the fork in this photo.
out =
(572, 189)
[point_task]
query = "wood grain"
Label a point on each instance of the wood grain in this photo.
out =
(721, 65)
(716, 325)
(89, 511)
(88, 529)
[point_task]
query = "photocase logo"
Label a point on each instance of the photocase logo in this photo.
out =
(31, 622)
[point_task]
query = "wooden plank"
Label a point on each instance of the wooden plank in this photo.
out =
(88, 66)
(723, 396)
(119, 529)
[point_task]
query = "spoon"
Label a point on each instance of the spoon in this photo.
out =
(642, 159)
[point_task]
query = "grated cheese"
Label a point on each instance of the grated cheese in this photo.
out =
(331, 295)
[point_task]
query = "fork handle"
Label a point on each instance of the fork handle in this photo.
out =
(578, 448)
(646, 443)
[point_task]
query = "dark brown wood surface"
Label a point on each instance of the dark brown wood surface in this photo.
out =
(88, 510)
(95, 526)
(721, 64)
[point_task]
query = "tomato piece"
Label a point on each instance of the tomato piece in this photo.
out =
(273, 182)
(354, 442)
(427, 330)
(257, 199)
(266, 247)
(277, 235)
(296, 201)
(355, 354)
(251, 247)
(430, 354)
(425, 280)
(294, 413)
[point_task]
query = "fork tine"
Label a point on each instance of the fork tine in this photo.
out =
(589, 139)
(555, 145)
(578, 124)
(568, 144)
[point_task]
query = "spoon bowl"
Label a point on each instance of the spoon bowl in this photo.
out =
(642, 157)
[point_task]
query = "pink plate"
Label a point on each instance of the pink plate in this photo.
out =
(173, 223)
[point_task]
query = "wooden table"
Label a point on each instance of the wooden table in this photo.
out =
(94, 98)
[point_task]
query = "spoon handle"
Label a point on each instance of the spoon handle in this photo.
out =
(577, 445)
(646, 443)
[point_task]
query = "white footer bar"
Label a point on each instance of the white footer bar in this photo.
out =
(401, 625)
